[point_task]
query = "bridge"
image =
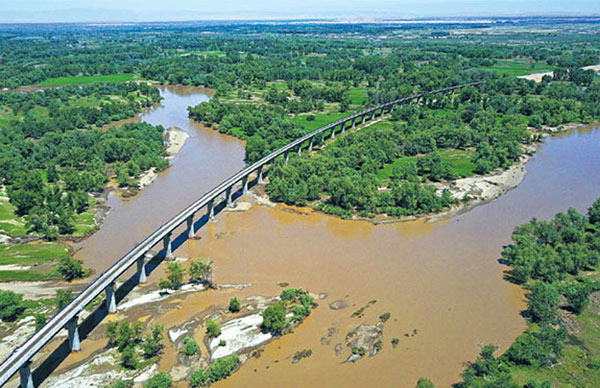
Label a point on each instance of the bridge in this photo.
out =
(20, 358)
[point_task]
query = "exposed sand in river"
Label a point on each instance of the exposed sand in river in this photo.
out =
(537, 77)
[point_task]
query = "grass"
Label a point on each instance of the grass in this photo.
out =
(86, 79)
(321, 120)
(39, 256)
(358, 96)
(459, 160)
(579, 367)
(10, 223)
(517, 68)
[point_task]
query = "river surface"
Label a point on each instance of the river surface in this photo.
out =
(441, 280)
(206, 159)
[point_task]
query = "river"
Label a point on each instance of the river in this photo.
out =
(442, 279)
(205, 160)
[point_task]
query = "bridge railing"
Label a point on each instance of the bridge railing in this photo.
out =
(24, 353)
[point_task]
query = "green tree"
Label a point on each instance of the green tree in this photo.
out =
(112, 332)
(63, 298)
(234, 305)
(577, 295)
(129, 358)
(70, 269)
(190, 346)
(40, 321)
(542, 302)
(159, 380)
(213, 328)
(274, 318)
(174, 280)
(200, 271)
(424, 383)
(11, 305)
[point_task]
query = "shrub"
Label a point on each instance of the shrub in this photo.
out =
(234, 305)
(424, 383)
(63, 298)
(577, 296)
(542, 302)
(222, 343)
(159, 380)
(213, 328)
(220, 369)
(290, 293)
(10, 305)
(190, 346)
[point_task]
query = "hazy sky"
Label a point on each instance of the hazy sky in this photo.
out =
(169, 10)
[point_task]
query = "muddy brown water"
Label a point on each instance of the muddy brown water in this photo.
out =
(206, 159)
(442, 279)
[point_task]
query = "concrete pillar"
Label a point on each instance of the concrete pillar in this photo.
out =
(333, 132)
(167, 249)
(229, 196)
(210, 211)
(111, 302)
(299, 149)
(287, 157)
(26, 377)
(392, 109)
(373, 115)
(382, 111)
(343, 127)
(354, 123)
(364, 119)
(190, 227)
(141, 270)
(259, 172)
(310, 145)
(245, 185)
(73, 331)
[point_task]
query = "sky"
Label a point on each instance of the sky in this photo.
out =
(32, 11)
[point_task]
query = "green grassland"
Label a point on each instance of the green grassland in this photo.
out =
(321, 120)
(517, 68)
(38, 256)
(86, 79)
(579, 366)
(459, 160)
(358, 96)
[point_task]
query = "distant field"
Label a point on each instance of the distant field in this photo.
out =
(86, 79)
(34, 258)
(517, 68)
(358, 96)
(460, 161)
(321, 120)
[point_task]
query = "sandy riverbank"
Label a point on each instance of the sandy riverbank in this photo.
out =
(537, 77)
(175, 138)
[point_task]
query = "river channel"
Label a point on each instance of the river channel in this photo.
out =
(441, 282)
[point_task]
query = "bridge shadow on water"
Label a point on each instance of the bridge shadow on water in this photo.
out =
(54, 359)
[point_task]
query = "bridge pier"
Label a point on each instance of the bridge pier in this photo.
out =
(259, 173)
(245, 185)
(111, 302)
(299, 149)
(73, 330)
(229, 197)
(392, 109)
(167, 248)
(353, 123)
(190, 227)
(287, 156)
(373, 116)
(141, 270)
(26, 377)
(332, 132)
(382, 111)
(343, 127)
(364, 119)
(310, 145)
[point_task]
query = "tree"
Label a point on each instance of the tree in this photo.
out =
(70, 269)
(40, 321)
(153, 342)
(174, 280)
(63, 298)
(274, 318)
(234, 305)
(129, 358)
(112, 332)
(424, 383)
(125, 338)
(200, 271)
(577, 295)
(11, 305)
(542, 302)
(159, 380)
